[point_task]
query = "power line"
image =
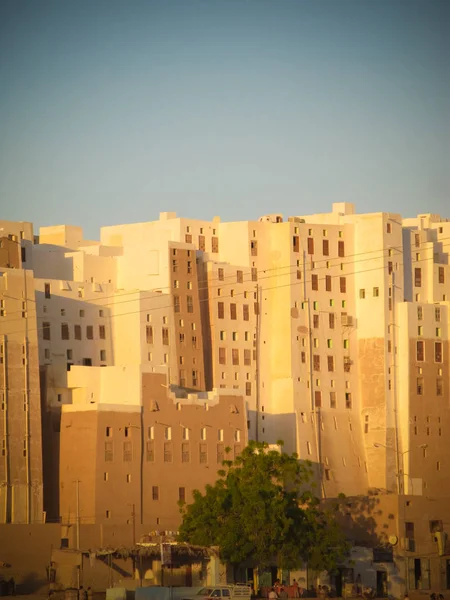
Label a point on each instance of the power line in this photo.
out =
(290, 284)
(200, 289)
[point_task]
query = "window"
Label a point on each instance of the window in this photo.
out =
(437, 314)
(214, 244)
(203, 453)
(47, 290)
(109, 454)
(419, 313)
(181, 494)
(155, 492)
(342, 285)
(77, 332)
(325, 247)
(176, 304)
(308, 448)
(245, 312)
(89, 332)
(254, 248)
(341, 249)
(388, 228)
(316, 362)
(437, 352)
(102, 332)
(318, 398)
(376, 292)
(165, 336)
(222, 356)
(328, 283)
(46, 330)
(310, 245)
(295, 244)
(168, 452)
(64, 331)
(439, 386)
(332, 399)
(233, 314)
(366, 424)
(348, 400)
(331, 320)
(419, 386)
(420, 351)
(220, 453)
(148, 334)
(220, 310)
(315, 321)
(239, 276)
(390, 268)
(201, 243)
(190, 304)
(185, 453)
(247, 358)
(441, 276)
(235, 356)
(362, 294)
(127, 451)
(248, 388)
(314, 282)
(417, 277)
(330, 362)
(254, 274)
(437, 525)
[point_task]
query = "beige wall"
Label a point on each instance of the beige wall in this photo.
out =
(126, 451)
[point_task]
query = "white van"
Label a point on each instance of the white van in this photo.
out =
(229, 592)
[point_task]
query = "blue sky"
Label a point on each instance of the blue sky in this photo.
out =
(112, 111)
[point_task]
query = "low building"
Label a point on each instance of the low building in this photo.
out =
(137, 448)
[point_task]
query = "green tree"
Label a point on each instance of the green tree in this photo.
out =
(262, 509)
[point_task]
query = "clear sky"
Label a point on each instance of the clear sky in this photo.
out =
(112, 111)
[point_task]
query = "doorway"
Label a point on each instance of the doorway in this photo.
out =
(382, 584)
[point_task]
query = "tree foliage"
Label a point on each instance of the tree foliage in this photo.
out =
(262, 509)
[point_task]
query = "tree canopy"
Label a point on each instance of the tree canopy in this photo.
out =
(262, 509)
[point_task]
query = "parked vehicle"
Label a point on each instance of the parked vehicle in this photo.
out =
(230, 592)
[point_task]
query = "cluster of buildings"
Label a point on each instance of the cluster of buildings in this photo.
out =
(130, 367)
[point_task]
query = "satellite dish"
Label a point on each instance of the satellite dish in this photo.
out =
(393, 540)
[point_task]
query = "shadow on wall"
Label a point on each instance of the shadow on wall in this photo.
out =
(74, 312)
(367, 520)
(27, 549)
(31, 584)
(273, 428)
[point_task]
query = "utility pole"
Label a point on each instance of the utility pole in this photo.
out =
(133, 515)
(77, 483)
